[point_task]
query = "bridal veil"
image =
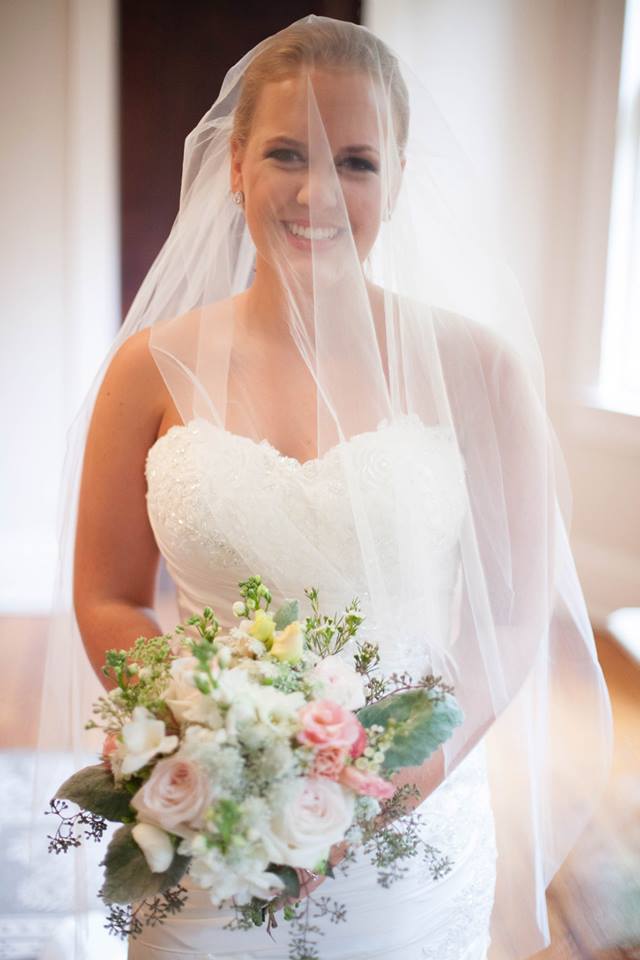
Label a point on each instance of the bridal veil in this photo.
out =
(397, 306)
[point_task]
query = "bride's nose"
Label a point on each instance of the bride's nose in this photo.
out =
(319, 190)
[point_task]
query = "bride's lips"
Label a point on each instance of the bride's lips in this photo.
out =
(319, 237)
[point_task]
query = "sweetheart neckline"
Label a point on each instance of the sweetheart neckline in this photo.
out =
(264, 444)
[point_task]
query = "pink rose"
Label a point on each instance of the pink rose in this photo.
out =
(326, 724)
(359, 744)
(176, 794)
(369, 784)
(328, 762)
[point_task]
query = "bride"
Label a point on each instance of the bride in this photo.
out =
(329, 379)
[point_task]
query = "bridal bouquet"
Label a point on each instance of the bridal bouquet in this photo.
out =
(241, 758)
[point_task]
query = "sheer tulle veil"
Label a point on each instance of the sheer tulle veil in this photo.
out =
(398, 307)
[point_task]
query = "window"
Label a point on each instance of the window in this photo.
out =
(619, 379)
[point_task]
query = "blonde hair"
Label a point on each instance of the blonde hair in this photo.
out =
(326, 43)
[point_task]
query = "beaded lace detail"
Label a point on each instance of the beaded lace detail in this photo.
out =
(223, 506)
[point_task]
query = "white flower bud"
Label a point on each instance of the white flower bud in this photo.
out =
(198, 845)
(238, 608)
(156, 846)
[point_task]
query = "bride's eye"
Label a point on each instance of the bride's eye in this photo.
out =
(285, 155)
(358, 164)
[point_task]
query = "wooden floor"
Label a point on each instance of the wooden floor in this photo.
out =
(594, 901)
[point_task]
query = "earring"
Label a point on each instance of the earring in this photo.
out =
(238, 197)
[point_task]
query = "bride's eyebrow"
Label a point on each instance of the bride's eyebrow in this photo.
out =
(299, 145)
(286, 141)
(359, 148)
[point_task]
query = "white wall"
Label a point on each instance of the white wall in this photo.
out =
(59, 299)
(529, 88)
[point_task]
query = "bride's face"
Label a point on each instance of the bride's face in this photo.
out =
(312, 162)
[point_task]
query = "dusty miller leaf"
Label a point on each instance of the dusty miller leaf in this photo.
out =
(127, 876)
(425, 721)
(93, 789)
(287, 613)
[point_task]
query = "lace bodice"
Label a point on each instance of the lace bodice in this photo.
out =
(223, 506)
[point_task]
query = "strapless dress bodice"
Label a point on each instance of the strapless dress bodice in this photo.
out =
(223, 506)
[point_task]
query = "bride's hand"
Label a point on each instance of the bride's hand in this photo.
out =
(308, 882)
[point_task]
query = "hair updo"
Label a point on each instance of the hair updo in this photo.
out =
(320, 42)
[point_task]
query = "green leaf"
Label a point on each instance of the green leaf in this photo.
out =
(287, 613)
(425, 720)
(93, 789)
(289, 877)
(127, 876)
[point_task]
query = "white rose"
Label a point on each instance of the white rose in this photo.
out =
(339, 681)
(156, 846)
(278, 711)
(310, 815)
(142, 738)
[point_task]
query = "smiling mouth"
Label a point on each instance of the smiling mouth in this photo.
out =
(311, 233)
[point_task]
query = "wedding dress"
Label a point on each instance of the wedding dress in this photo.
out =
(201, 478)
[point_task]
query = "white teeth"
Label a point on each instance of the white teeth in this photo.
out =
(309, 233)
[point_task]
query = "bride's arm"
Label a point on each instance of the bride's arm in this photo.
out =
(116, 557)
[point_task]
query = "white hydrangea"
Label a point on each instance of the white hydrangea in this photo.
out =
(275, 762)
(366, 808)
(241, 872)
(221, 758)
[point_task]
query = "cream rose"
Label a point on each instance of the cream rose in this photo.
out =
(142, 738)
(313, 814)
(155, 844)
(181, 694)
(175, 796)
(183, 698)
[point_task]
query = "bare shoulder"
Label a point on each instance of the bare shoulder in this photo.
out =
(133, 390)
(131, 401)
(134, 368)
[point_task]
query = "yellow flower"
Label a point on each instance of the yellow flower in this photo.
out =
(263, 627)
(289, 643)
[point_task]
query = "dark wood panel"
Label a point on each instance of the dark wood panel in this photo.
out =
(173, 57)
